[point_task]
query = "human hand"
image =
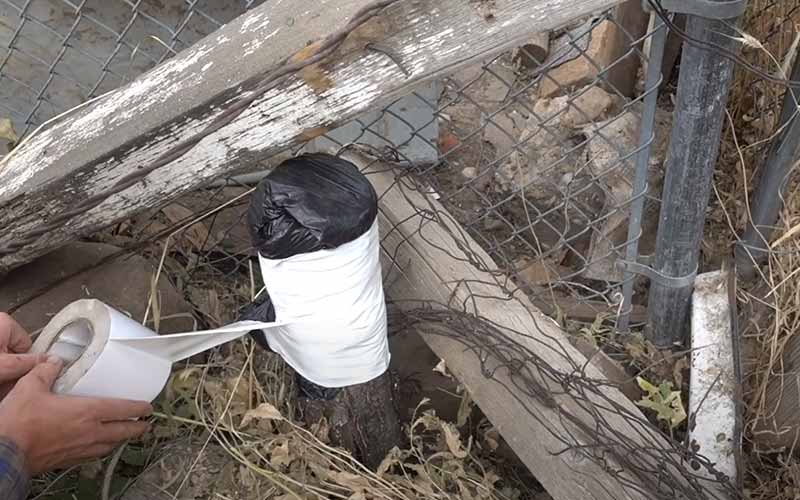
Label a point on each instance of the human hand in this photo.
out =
(55, 431)
(14, 358)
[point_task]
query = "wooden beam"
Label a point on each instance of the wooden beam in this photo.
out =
(425, 260)
(85, 153)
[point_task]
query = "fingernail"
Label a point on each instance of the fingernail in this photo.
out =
(54, 360)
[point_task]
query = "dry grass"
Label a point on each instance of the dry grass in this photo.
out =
(224, 426)
(242, 403)
(769, 305)
(772, 307)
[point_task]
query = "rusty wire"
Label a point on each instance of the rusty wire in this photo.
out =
(510, 224)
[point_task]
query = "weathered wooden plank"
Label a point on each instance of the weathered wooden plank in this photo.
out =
(425, 260)
(84, 154)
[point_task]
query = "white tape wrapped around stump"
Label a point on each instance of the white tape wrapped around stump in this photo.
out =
(334, 313)
(330, 327)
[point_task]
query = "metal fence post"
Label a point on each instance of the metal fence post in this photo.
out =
(753, 247)
(653, 82)
(704, 81)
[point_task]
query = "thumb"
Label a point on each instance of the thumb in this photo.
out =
(14, 366)
(45, 374)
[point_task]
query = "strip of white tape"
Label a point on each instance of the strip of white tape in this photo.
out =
(107, 354)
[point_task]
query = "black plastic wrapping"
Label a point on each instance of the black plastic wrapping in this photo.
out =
(259, 310)
(310, 203)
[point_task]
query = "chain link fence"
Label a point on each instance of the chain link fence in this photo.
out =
(533, 152)
(536, 155)
(55, 55)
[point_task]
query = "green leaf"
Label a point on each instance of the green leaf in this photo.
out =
(664, 401)
(646, 386)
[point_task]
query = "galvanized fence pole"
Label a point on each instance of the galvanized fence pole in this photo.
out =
(646, 137)
(705, 77)
(753, 247)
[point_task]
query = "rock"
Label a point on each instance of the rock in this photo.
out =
(469, 172)
(7, 133)
(540, 272)
(550, 161)
(609, 43)
(484, 99)
(588, 107)
(621, 135)
(447, 141)
(534, 53)
(42, 288)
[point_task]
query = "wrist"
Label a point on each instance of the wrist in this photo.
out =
(15, 465)
(14, 437)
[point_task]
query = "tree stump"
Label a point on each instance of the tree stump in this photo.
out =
(362, 418)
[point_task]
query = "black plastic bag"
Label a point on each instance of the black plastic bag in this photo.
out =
(259, 310)
(310, 203)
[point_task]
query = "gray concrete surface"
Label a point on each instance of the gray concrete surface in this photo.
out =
(53, 56)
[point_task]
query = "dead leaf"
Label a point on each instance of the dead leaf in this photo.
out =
(392, 458)
(321, 430)
(464, 409)
(441, 368)
(492, 438)
(197, 234)
(428, 419)
(279, 456)
(7, 131)
(453, 440)
(677, 370)
(351, 481)
(262, 411)
(213, 308)
(539, 272)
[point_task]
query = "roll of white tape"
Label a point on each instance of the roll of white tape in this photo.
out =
(107, 354)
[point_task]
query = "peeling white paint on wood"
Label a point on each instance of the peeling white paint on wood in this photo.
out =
(253, 45)
(439, 35)
(252, 20)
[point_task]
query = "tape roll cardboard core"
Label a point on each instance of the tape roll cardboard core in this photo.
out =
(72, 341)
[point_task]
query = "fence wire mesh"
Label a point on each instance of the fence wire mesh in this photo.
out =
(55, 55)
(545, 184)
(535, 156)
